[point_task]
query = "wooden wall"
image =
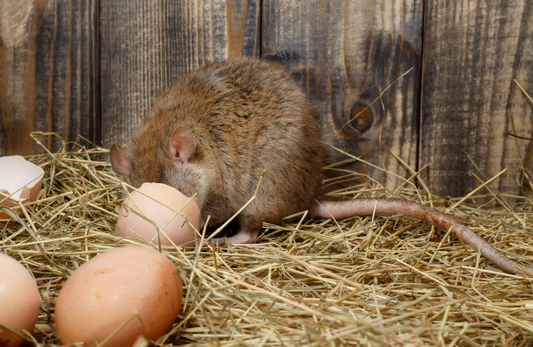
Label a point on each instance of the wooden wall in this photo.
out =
(48, 71)
(473, 51)
(95, 67)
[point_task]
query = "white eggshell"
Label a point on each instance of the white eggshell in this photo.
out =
(19, 301)
(105, 291)
(142, 214)
(19, 179)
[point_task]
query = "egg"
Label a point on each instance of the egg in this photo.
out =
(153, 208)
(107, 290)
(19, 301)
(19, 179)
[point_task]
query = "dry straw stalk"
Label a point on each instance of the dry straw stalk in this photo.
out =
(354, 282)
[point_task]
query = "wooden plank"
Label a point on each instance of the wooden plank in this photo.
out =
(149, 45)
(48, 72)
(18, 30)
(473, 51)
(345, 53)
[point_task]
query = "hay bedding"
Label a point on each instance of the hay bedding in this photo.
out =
(354, 282)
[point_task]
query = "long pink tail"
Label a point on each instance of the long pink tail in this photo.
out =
(390, 207)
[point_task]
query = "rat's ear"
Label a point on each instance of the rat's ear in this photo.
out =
(181, 145)
(120, 160)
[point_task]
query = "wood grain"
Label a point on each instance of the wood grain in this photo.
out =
(18, 33)
(473, 51)
(148, 45)
(48, 72)
(345, 53)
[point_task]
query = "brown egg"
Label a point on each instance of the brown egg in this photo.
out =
(143, 215)
(19, 179)
(107, 290)
(19, 301)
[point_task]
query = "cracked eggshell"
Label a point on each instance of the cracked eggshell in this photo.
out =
(106, 291)
(20, 179)
(141, 213)
(19, 301)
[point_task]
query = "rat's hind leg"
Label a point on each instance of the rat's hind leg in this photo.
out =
(249, 227)
(244, 235)
(248, 231)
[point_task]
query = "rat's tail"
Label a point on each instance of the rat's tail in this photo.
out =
(389, 207)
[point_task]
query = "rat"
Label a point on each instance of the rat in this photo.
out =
(213, 134)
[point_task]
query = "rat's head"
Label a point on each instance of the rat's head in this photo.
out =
(175, 160)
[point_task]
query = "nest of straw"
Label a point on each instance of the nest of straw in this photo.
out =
(360, 281)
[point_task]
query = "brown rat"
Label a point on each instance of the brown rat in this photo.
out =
(215, 131)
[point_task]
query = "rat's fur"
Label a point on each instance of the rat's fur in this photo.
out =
(246, 117)
(214, 132)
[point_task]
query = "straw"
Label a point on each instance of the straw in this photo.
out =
(362, 281)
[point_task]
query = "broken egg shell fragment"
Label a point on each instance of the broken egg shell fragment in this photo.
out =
(20, 180)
